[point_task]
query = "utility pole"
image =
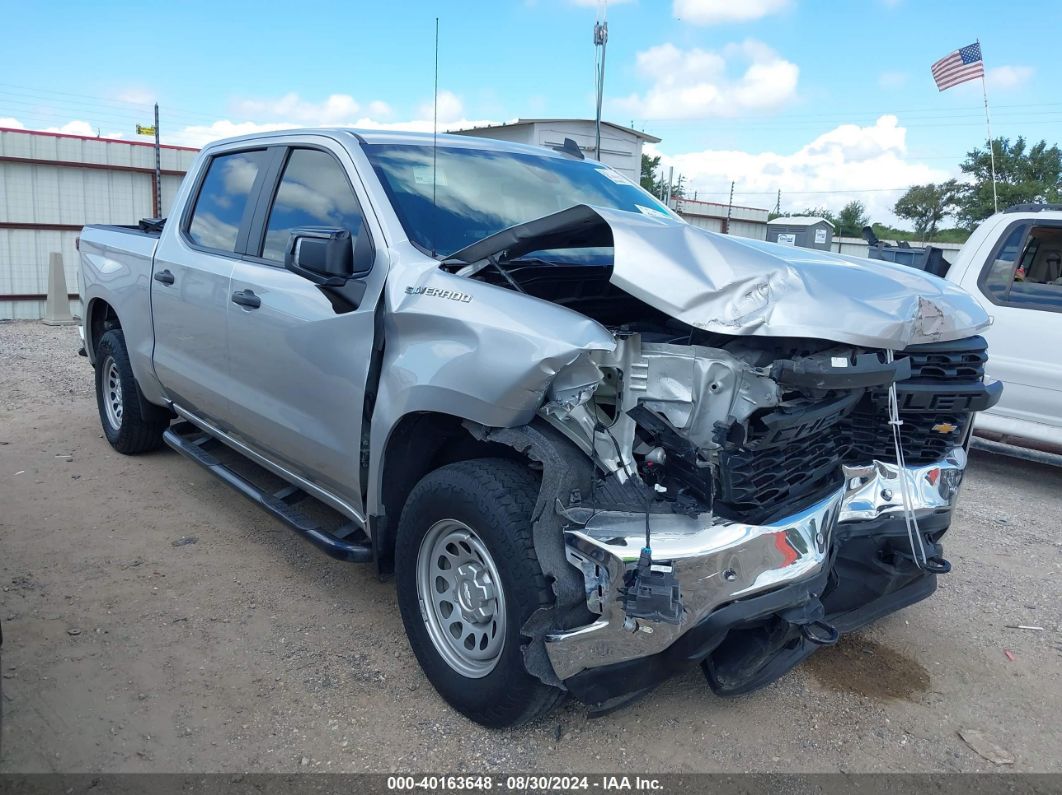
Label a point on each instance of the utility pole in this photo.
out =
(158, 167)
(600, 40)
(729, 207)
(778, 204)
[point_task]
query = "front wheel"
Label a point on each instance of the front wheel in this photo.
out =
(468, 579)
(118, 399)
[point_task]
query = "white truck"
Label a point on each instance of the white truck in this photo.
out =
(1012, 265)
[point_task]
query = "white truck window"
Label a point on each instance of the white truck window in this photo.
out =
(314, 191)
(223, 197)
(1030, 275)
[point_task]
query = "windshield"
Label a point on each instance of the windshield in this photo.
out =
(478, 192)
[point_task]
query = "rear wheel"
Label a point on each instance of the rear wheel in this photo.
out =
(468, 579)
(118, 399)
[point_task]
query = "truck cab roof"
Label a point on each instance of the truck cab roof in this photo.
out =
(407, 137)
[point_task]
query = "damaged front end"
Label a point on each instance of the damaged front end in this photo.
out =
(762, 481)
(770, 496)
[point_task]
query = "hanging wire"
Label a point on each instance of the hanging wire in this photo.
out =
(914, 534)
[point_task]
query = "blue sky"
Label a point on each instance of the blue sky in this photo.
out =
(826, 101)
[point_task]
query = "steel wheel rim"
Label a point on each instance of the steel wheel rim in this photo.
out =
(112, 393)
(461, 598)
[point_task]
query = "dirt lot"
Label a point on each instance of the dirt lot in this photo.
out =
(248, 650)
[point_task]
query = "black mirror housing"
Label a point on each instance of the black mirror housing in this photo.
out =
(320, 254)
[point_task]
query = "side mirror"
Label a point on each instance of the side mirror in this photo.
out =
(324, 256)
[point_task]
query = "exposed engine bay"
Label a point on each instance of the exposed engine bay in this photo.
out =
(743, 427)
(814, 474)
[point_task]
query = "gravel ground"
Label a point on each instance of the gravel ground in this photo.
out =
(244, 649)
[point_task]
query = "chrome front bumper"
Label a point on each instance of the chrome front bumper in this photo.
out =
(875, 489)
(719, 562)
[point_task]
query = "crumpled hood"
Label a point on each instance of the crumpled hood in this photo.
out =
(733, 285)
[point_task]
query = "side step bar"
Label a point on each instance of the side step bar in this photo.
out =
(278, 505)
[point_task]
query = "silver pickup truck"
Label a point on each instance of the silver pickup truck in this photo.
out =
(593, 444)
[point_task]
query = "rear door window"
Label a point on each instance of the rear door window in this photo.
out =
(224, 200)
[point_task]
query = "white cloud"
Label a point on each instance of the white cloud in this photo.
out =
(200, 135)
(335, 109)
(694, 83)
(846, 163)
(999, 78)
(1008, 77)
(450, 107)
(75, 127)
(379, 109)
(712, 12)
(338, 110)
(598, 3)
(79, 127)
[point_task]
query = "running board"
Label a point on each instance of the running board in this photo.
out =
(280, 505)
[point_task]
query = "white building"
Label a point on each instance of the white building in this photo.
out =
(51, 185)
(621, 147)
(732, 219)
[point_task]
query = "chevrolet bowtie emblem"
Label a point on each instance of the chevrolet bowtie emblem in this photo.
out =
(944, 427)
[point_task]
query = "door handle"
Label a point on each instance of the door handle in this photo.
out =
(246, 298)
(165, 277)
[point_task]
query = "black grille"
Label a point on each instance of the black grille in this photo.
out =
(792, 455)
(755, 484)
(936, 405)
(925, 437)
(961, 360)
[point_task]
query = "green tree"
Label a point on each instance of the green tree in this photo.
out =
(1023, 174)
(649, 167)
(678, 190)
(821, 212)
(814, 212)
(851, 220)
(926, 205)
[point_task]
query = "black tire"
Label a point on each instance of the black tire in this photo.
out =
(495, 498)
(132, 433)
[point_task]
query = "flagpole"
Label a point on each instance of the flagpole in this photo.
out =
(988, 124)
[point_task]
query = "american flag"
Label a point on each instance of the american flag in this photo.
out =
(958, 67)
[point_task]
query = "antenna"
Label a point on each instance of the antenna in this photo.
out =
(600, 40)
(435, 137)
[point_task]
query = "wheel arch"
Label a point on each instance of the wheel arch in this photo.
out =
(100, 317)
(420, 443)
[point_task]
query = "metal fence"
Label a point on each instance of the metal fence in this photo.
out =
(51, 185)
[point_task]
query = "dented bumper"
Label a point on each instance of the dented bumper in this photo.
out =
(787, 584)
(714, 564)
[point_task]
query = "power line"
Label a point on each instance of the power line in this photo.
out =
(946, 116)
(875, 112)
(20, 89)
(906, 124)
